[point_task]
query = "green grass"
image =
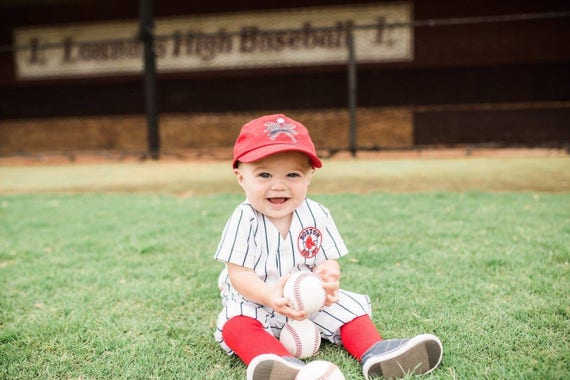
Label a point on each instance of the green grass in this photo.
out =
(101, 286)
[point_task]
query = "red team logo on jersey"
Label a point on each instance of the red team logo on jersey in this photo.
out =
(309, 241)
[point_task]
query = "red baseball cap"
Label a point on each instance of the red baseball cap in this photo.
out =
(272, 134)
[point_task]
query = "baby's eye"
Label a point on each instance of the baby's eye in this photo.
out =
(293, 175)
(264, 175)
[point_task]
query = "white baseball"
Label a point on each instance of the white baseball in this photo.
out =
(305, 292)
(320, 370)
(301, 338)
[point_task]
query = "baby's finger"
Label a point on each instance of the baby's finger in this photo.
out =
(332, 297)
(331, 286)
(282, 302)
(298, 314)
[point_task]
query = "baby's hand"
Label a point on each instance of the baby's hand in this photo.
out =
(329, 272)
(281, 303)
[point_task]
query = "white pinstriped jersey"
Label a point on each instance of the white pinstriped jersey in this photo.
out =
(251, 240)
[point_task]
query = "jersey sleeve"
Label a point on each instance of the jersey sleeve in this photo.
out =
(237, 244)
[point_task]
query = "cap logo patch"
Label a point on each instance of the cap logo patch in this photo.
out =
(309, 242)
(279, 126)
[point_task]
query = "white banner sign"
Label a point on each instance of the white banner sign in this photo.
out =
(299, 37)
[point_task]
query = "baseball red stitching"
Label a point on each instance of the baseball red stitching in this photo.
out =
(317, 342)
(296, 339)
(297, 291)
(329, 372)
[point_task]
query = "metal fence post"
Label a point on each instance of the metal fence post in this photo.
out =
(146, 34)
(352, 87)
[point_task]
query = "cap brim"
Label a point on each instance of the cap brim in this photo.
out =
(268, 150)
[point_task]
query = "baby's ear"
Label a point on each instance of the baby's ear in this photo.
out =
(311, 172)
(238, 175)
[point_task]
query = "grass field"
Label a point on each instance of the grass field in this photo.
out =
(115, 284)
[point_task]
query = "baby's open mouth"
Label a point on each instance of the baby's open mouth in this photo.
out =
(278, 200)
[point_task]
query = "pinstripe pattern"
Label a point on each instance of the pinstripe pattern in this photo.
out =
(250, 239)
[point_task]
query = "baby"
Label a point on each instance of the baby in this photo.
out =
(278, 231)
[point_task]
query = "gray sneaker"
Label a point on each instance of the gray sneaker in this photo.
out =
(395, 358)
(274, 367)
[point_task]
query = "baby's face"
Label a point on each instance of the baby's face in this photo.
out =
(276, 185)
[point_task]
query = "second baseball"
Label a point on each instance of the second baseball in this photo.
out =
(301, 338)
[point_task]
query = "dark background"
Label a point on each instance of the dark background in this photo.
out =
(503, 83)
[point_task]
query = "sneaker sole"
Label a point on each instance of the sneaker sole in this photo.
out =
(420, 355)
(271, 367)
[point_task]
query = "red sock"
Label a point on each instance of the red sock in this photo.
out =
(247, 337)
(359, 335)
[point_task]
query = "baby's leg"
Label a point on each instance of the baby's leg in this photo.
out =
(348, 322)
(248, 339)
(348, 307)
(358, 335)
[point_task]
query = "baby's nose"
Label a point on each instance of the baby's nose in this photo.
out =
(278, 185)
